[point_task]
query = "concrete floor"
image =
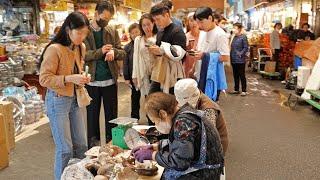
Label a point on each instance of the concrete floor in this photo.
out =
(267, 140)
(270, 141)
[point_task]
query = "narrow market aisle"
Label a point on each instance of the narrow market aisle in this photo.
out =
(267, 140)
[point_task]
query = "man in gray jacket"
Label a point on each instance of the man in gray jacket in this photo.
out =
(103, 48)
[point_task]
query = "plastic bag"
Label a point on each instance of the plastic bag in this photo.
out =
(76, 170)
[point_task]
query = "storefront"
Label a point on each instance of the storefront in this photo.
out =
(53, 14)
(265, 15)
(19, 17)
(126, 13)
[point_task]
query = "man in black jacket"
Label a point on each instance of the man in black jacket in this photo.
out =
(171, 33)
(305, 34)
(134, 31)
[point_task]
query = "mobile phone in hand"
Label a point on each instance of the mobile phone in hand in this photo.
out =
(191, 52)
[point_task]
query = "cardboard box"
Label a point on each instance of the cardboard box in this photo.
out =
(6, 109)
(270, 67)
(4, 144)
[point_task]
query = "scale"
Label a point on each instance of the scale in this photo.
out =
(126, 137)
(133, 139)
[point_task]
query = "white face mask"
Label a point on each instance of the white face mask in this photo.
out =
(163, 127)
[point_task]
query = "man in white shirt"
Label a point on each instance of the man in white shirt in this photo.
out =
(212, 38)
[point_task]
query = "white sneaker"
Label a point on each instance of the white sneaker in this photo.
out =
(243, 94)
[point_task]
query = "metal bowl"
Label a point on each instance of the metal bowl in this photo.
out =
(147, 171)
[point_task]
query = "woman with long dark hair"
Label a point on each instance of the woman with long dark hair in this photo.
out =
(61, 72)
(142, 59)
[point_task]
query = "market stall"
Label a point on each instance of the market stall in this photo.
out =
(259, 40)
(18, 17)
(286, 55)
(54, 13)
(114, 160)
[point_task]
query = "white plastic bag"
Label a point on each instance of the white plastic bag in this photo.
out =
(76, 170)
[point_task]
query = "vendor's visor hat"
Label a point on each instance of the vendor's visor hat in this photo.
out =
(186, 91)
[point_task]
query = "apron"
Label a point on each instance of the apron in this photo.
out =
(173, 174)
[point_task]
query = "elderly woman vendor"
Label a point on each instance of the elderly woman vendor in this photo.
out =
(186, 91)
(193, 149)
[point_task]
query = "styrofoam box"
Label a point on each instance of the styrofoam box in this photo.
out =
(303, 76)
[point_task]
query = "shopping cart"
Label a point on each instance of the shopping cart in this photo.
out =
(264, 54)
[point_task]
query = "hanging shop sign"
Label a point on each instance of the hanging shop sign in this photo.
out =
(276, 7)
(135, 4)
(47, 5)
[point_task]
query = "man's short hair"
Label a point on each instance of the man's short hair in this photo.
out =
(203, 13)
(239, 25)
(217, 17)
(133, 26)
(159, 9)
(104, 5)
(305, 24)
(167, 3)
(278, 24)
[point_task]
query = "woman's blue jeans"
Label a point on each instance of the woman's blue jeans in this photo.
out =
(68, 129)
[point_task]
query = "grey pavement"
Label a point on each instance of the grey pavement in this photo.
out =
(267, 140)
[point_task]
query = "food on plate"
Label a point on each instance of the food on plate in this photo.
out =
(111, 150)
(147, 168)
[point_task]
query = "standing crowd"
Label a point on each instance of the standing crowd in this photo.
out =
(180, 74)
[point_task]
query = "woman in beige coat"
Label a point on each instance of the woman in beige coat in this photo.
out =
(60, 71)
